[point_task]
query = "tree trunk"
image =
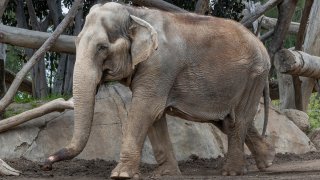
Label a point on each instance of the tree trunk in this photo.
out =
(311, 46)
(286, 89)
(63, 78)
(3, 89)
(298, 47)
(39, 78)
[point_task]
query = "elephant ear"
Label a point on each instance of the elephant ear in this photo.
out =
(144, 40)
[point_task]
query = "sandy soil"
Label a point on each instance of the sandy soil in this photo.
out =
(286, 166)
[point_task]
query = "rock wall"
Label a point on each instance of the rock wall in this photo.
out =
(40, 137)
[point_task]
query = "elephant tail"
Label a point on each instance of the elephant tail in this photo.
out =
(266, 100)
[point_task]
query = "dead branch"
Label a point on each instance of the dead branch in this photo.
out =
(298, 63)
(34, 39)
(7, 99)
(5, 169)
(202, 7)
(26, 85)
(52, 106)
(249, 18)
(159, 4)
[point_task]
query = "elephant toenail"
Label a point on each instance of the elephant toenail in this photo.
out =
(124, 175)
(114, 174)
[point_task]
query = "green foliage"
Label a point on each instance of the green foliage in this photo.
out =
(22, 97)
(15, 58)
(314, 111)
(276, 103)
(12, 112)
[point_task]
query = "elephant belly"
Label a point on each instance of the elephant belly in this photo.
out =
(206, 97)
(197, 114)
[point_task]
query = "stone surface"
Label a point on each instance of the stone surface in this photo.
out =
(283, 133)
(315, 137)
(40, 137)
(299, 118)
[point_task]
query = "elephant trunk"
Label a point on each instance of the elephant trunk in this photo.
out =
(85, 79)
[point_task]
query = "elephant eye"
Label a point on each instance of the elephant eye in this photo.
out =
(102, 47)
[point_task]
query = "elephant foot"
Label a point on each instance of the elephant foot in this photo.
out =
(234, 168)
(166, 169)
(125, 171)
(264, 155)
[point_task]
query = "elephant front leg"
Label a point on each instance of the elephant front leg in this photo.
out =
(140, 118)
(162, 148)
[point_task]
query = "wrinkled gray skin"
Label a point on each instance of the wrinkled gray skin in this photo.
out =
(202, 69)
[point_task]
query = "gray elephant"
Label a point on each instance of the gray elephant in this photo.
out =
(200, 68)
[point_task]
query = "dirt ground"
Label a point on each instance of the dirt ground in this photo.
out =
(285, 166)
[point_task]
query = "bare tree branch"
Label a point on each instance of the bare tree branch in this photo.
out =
(159, 4)
(7, 99)
(202, 7)
(248, 19)
(52, 106)
(26, 85)
(5, 169)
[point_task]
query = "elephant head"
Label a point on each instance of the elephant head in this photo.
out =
(110, 45)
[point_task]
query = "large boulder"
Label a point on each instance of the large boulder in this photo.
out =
(299, 118)
(40, 137)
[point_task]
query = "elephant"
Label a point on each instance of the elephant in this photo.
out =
(201, 68)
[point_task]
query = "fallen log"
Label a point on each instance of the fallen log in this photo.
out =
(34, 39)
(52, 106)
(298, 63)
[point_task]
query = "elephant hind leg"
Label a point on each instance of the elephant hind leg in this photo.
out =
(236, 127)
(162, 147)
(262, 150)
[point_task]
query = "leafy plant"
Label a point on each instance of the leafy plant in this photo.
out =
(314, 111)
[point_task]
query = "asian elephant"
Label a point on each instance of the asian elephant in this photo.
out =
(200, 68)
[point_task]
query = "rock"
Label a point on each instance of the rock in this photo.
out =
(41, 137)
(299, 118)
(283, 133)
(315, 137)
